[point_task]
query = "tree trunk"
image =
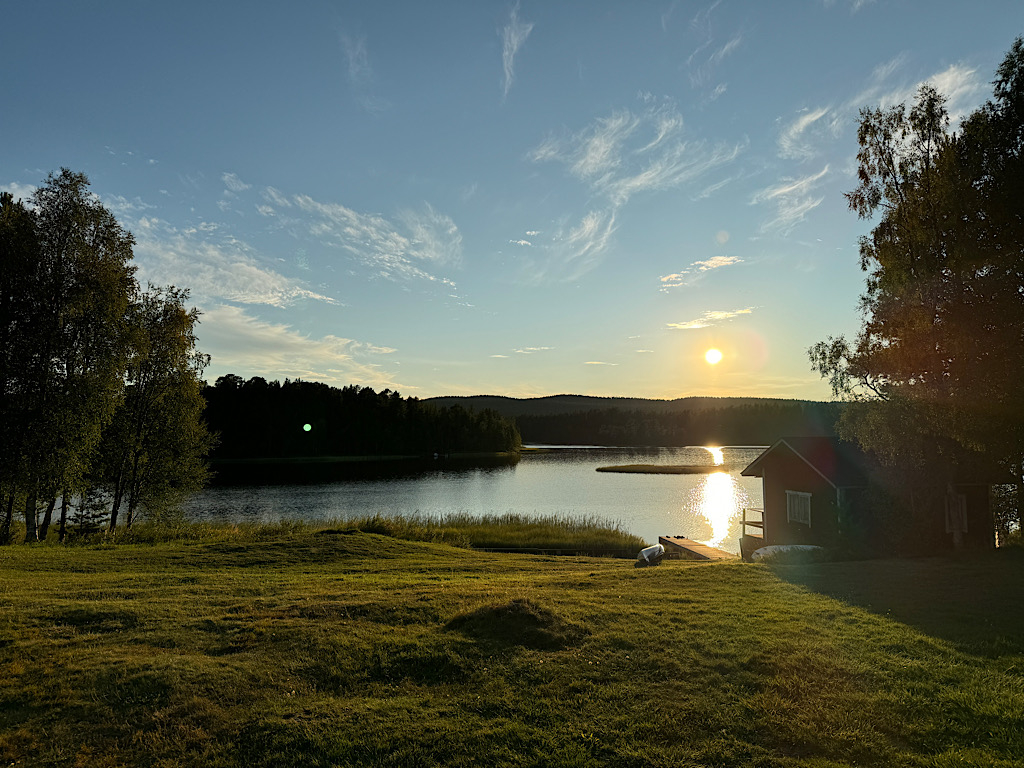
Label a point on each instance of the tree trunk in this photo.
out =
(47, 517)
(30, 518)
(5, 524)
(62, 530)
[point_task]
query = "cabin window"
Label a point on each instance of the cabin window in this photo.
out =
(798, 507)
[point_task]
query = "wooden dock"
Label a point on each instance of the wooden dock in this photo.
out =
(682, 548)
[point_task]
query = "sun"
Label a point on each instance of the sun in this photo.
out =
(713, 356)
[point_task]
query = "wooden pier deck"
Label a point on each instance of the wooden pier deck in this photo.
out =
(682, 548)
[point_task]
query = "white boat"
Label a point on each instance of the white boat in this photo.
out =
(650, 555)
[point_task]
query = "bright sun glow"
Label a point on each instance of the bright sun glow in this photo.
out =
(713, 356)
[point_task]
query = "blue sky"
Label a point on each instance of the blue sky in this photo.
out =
(489, 197)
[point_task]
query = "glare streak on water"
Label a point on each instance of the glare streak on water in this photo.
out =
(704, 507)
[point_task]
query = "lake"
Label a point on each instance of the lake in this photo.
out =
(558, 481)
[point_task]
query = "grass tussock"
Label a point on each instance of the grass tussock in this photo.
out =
(284, 647)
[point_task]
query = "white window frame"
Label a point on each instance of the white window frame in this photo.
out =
(798, 507)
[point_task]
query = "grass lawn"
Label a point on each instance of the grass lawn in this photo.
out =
(322, 648)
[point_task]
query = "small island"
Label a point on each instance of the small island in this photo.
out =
(666, 469)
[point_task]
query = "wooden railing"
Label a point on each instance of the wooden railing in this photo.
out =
(759, 523)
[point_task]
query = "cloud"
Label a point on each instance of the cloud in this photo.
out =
(225, 270)
(690, 275)
(793, 199)
(619, 157)
(521, 242)
(513, 36)
(575, 252)
(500, 357)
(964, 89)
(272, 195)
(793, 142)
(19, 191)
(710, 52)
(855, 5)
(360, 74)
(392, 251)
(598, 362)
(531, 350)
(625, 154)
(710, 318)
(241, 343)
(233, 183)
(433, 236)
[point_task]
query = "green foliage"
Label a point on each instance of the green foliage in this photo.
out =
(153, 454)
(99, 383)
(935, 369)
(68, 288)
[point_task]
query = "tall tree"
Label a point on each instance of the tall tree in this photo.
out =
(19, 257)
(935, 369)
(72, 292)
(154, 450)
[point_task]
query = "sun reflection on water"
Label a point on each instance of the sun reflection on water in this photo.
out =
(716, 455)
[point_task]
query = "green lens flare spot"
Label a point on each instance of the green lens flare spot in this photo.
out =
(306, 427)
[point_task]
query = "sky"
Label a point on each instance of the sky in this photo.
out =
(509, 198)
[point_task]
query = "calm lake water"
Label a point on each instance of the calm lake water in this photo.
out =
(563, 481)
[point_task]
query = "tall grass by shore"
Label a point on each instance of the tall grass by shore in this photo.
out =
(513, 532)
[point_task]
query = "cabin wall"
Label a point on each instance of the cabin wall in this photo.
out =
(785, 471)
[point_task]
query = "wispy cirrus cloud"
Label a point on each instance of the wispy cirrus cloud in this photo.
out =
(628, 153)
(796, 140)
(619, 157)
(360, 74)
(711, 50)
(793, 200)
(531, 350)
(392, 250)
(854, 5)
(513, 35)
(241, 343)
(695, 271)
(962, 85)
(233, 183)
(214, 270)
(710, 318)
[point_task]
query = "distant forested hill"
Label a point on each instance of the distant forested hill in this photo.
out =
(581, 420)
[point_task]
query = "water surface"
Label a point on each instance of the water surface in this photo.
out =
(562, 481)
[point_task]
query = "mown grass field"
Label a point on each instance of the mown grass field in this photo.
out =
(300, 647)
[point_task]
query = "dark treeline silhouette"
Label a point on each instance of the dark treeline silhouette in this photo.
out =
(261, 419)
(749, 424)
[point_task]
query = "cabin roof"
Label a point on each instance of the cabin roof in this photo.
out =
(841, 464)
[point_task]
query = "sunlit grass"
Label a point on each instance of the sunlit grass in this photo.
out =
(551, 533)
(306, 646)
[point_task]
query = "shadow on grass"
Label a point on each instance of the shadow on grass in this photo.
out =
(518, 622)
(975, 602)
